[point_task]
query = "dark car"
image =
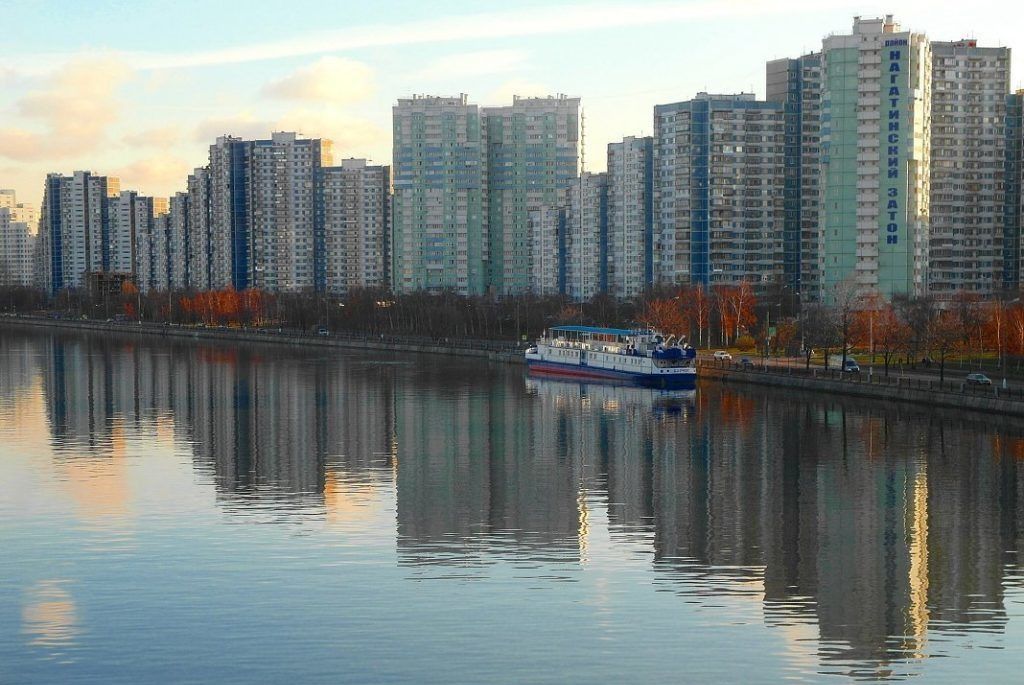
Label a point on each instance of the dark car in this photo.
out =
(745, 363)
(978, 379)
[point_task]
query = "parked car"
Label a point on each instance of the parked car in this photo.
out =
(978, 379)
(745, 363)
(849, 365)
(722, 355)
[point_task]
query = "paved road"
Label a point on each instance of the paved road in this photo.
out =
(954, 373)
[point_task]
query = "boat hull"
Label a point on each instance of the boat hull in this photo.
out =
(554, 369)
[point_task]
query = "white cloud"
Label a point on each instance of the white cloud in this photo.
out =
(69, 114)
(352, 136)
(478, 63)
(329, 79)
(162, 137)
(161, 176)
(534, 21)
(242, 125)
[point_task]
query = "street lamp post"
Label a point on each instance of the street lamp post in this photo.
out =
(999, 336)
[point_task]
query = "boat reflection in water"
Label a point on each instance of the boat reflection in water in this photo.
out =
(614, 396)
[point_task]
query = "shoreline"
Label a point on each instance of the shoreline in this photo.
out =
(921, 393)
(495, 351)
(990, 400)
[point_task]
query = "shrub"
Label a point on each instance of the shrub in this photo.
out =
(745, 343)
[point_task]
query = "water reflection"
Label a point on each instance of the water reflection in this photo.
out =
(49, 617)
(869, 536)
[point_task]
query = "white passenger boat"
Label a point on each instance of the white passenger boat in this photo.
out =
(640, 356)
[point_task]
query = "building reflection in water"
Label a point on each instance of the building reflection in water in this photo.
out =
(886, 528)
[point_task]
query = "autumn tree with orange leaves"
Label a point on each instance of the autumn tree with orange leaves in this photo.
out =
(735, 305)
(666, 315)
(696, 304)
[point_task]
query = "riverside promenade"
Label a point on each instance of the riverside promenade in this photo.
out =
(954, 394)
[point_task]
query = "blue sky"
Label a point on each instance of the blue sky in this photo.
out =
(140, 89)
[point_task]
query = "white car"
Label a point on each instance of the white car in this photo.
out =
(722, 355)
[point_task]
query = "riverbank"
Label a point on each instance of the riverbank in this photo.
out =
(496, 351)
(951, 394)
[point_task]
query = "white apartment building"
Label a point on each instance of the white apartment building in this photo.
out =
(968, 167)
(630, 216)
(356, 211)
(151, 236)
(18, 223)
(586, 236)
(547, 249)
(283, 210)
(200, 241)
(74, 228)
(718, 191)
(178, 241)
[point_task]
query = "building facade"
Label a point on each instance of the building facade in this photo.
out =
(356, 225)
(152, 267)
(179, 237)
(876, 159)
(438, 217)
(630, 247)
(1013, 177)
(585, 237)
(718, 191)
(532, 152)
(74, 228)
(968, 157)
(200, 241)
(796, 83)
(18, 225)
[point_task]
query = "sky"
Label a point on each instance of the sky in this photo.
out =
(139, 89)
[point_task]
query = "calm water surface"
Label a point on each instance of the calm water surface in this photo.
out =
(202, 513)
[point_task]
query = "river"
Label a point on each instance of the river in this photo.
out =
(200, 512)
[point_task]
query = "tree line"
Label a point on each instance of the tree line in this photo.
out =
(905, 329)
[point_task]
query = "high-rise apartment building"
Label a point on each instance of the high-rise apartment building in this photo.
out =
(74, 228)
(915, 143)
(356, 223)
(630, 245)
(876, 158)
(178, 242)
(1013, 177)
(585, 255)
(718, 190)
(230, 248)
(285, 171)
(122, 234)
(532, 152)
(200, 239)
(968, 158)
(263, 211)
(547, 226)
(18, 225)
(151, 243)
(438, 220)
(796, 83)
